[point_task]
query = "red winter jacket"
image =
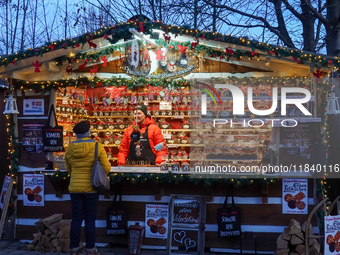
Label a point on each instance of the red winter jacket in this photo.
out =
(155, 137)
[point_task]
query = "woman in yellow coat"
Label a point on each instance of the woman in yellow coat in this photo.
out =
(84, 199)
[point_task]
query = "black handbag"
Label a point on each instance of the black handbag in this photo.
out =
(116, 217)
(53, 136)
(229, 217)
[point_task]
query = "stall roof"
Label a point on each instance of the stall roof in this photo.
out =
(237, 55)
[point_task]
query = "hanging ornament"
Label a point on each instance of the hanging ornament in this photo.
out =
(159, 54)
(141, 28)
(75, 95)
(82, 98)
(180, 98)
(168, 98)
(109, 101)
(37, 65)
(194, 43)
(185, 101)
(117, 100)
(96, 101)
(94, 70)
(91, 100)
(91, 44)
(104, 59)
(69, 69)
(167, 37)
(332, 105)
(133, 99)
(104, 101)
(175, 100)
(229, 51)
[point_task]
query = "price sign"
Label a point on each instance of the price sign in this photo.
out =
(165, 105)
(65, 100)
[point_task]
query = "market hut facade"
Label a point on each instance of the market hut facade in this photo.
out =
(102, 76)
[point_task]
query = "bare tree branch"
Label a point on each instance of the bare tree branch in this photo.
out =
(316, 13)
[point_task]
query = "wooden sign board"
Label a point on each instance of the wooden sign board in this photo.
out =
(5, 197)
(186, 224)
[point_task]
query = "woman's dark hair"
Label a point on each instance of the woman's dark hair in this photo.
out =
(81, 127)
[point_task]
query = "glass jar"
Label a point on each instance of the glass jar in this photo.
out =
(185, 166)
(100, 125)
(173, 140)
(182, 111)
(121, 124)
(183, 138)
(173, 154)
(125, 111)
(175, 166)
(106, 140)
(156, 111)
(111, 125)
(130, 111)
(117, 140)
(100, 112)
(107, 111)
(109, 153)
(196, 139)
(119, 112)
(185, 125)
(57, 109)
(164, 124)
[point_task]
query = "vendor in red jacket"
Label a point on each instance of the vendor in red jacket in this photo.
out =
(139, 144)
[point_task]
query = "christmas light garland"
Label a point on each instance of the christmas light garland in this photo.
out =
(121, 31)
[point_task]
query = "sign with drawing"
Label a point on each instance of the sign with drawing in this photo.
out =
(186, 240)
(186, 224)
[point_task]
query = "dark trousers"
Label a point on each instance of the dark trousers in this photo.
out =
(84, 206)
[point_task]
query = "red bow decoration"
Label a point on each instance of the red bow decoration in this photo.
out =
(82, 67)
(64, 45)
(271, 52)
(159, 54)
(13, 62)
(115, 27)
(104, 59)
(213, 56)
(221, 57)
(203, 37)
(51, 47)
(94, 70)
(182, 49)
(318, 73)
(176, 34)
(171, 47)
(141, 27)
(98, 83)
(74, 60)
(254, 53)
(167, 38)
(330, 62)
(172, 65)
(297, 61)
(37, 65)
(106, 36)
(148, 85)
(76, 46)
(69, 69)
(229, 51)
(194, 43)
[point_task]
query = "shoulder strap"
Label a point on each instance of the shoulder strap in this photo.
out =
(49, 116)
(96, 152)
(231, 192)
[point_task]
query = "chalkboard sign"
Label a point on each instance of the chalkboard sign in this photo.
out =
(186, 224)
(52, 136)
(186, 211)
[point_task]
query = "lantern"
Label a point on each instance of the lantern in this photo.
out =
(332, 105)
(11, 105)
(136, 234)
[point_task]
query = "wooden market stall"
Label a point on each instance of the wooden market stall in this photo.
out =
(99, 76)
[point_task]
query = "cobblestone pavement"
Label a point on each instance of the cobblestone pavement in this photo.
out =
(17, 248)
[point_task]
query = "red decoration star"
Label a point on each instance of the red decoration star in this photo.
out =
(159, 54)
(182, 49)
(104, 59)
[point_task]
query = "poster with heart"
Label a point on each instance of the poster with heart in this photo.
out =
(33, 189)
(295, 196)
(186, 240)
(332, 235)
(156, 219)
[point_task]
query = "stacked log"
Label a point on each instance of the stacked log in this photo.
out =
(53, 235)
(292, 240)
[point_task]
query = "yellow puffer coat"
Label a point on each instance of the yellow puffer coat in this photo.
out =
(79, 160)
